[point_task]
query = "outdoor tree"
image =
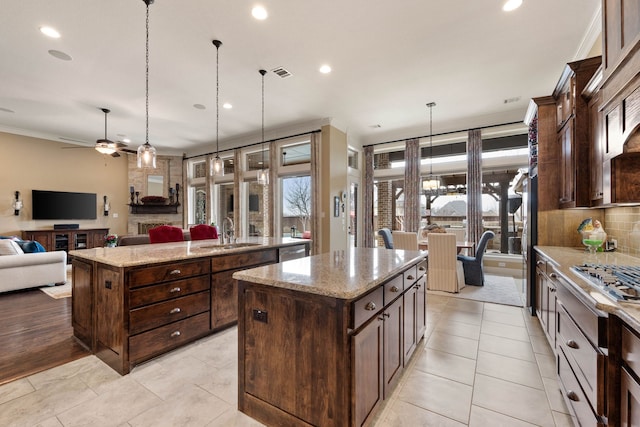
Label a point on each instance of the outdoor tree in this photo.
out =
(298, 198)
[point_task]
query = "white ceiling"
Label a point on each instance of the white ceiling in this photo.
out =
(388, 58)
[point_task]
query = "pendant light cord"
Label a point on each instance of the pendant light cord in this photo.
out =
(217, 96)
(262, 72)
(147, 77)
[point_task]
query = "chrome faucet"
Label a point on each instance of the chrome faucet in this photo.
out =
(229, 233)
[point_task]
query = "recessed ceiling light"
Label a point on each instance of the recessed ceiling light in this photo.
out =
(259, 12)
(325, 69)
(227, 106)
(511, 5)
(50, 32)
(199, 106)
(126, 140)
(60, 55)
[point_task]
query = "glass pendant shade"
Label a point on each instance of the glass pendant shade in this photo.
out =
(263, 176)
(146, 156)
(217, 166)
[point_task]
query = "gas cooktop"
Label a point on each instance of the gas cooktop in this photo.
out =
(619, 282)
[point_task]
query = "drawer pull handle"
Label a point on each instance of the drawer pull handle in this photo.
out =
(573, 396)
(370, 306)
(552, 289)
(553, 275)
(410, 277)
(572, 344)
(394, 289)
(174, 272)
(175, 334)
(422, 269)
(386, 315)
(176, 289)
(175, 310)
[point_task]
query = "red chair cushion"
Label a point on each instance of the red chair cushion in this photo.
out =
(165, 233)
(203, 232)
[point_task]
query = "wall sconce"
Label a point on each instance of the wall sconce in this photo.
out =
(17, 204)
(106, 206)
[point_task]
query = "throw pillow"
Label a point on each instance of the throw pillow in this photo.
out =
(30, 246)
(9, 247)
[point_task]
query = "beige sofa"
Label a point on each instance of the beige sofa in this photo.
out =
(21, 271)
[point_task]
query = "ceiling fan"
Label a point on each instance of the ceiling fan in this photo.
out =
(105, 145)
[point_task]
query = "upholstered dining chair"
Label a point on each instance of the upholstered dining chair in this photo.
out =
(386, 237)
(472, 265)
(165, 233)
(203, 232)
(405, 240)
(444, 271)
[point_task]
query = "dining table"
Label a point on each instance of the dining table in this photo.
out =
(423, 244)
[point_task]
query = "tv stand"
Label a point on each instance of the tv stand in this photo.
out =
(67, 239)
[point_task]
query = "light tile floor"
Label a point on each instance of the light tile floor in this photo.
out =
(480, 364)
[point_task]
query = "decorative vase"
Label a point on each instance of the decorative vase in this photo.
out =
(111, 245)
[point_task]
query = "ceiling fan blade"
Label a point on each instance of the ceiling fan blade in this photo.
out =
(115, 154)
(120, 144)
(128, 151)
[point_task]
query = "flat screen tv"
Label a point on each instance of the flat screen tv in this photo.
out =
(63, 205)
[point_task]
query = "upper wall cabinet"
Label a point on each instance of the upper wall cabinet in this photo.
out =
(574, 133)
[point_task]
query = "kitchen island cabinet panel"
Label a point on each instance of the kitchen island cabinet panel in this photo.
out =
(292, 356)
(324, 349)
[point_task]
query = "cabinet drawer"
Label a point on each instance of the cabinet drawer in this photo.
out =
(165, 272)
(168, 290)
(574, 397)
(365, 307)
(410, 276)
(151, 316)
(393, 289)
(422, 268)
(591, 323)
(148, 344)
(631, 350)
(246, 259)
(582, 356)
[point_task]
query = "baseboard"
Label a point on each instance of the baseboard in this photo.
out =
(504, 265)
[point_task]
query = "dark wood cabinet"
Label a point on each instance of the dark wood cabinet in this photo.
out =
(68, 240)
(572, 119)
(629, 382)
(582, 340)
(224, 289)
(308, 359)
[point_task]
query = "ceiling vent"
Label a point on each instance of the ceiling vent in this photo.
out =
(282, 72)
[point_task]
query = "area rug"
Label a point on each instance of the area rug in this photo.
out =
(496, 289)
(60, 291)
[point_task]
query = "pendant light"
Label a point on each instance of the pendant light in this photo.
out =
(218, 163)
(147, 153)
(263, 173)
(432, 183)
(105, 146)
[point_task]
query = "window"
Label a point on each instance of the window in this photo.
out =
(254, 208)
(352, 159)
(257, 160)
(296, 205)
(295, 154)
(224, 203)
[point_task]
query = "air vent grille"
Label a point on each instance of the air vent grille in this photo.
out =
(282, 72)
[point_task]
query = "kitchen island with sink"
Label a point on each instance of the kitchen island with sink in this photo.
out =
(323, 340)
(132, 303)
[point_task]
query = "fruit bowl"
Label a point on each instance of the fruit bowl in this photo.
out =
(593, 239)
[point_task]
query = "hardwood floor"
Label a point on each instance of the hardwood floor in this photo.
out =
(35, 334)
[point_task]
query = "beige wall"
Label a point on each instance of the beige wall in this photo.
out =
(334, 179)
(32, 163)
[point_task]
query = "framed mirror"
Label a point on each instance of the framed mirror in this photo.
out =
(155, 185)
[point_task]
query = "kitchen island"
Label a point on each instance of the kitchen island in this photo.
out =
(323, 340)
(132, 303)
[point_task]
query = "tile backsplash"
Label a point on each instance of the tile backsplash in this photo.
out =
(623, 224)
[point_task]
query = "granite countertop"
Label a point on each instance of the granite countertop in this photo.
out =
(564, 258)
(128, 256)
(339, 274)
